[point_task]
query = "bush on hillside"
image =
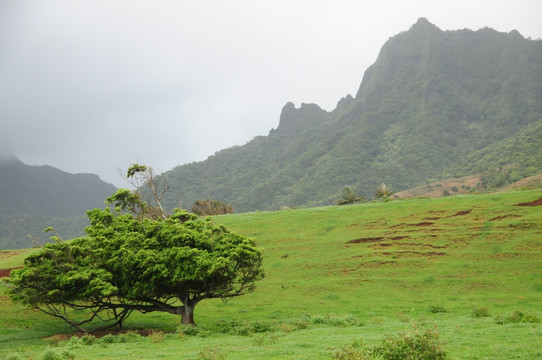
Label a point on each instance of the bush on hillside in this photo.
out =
(418, 344)
(479, 312)
(211, 207)
(517, 316)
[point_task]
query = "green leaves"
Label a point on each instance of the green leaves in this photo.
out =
(383, 192)
(349, 195)
(134, 169)
(141, 264)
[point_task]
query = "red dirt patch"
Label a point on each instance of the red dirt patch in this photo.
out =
(425, 245)
(464, 212)
(365, 240)
(374, 239)
(382, 245)
(532, 203)
(413, 253)
(375, 264)
(432, 218)
(6, 272)
(425, 223)
(504, 217)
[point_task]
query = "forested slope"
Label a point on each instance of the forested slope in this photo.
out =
(433, 105)
(35, 197)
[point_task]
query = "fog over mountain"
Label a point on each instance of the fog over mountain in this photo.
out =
(33, 198)
(90, 86)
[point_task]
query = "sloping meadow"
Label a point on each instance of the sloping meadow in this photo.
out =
(339, 279)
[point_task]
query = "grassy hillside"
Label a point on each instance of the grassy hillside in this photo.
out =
(347, 276)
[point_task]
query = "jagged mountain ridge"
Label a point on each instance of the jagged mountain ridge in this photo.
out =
(431, 98)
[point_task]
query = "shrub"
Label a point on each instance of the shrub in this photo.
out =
(437, 309)
(479, 312)
(57, 354)
(211, 207)
(224, 326)
(107, 339)
(189, 330)
(319, 320)
(87, 339)
(377, 320)
(299, 324)
(14, 357)
(262, 339)
(130, 336)
(349, 320)
(192, 330)
(211, 354)
(286, 327)
(73, 342)
(353, 351)
(418, 344)
(157, 336)
(518, 316)
(349, 353)
(261, 326)
(54, 340)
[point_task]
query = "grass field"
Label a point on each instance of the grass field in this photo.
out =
(345, 277)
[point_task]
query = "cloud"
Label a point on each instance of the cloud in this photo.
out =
(88, 86)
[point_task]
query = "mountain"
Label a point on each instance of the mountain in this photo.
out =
(435, 104)
(35, 197)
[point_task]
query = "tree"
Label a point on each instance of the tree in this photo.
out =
(349, 195)
(183, 258)
(383, 192)
(61, 278)
(131, 262)
(211, 207)
(142, 177)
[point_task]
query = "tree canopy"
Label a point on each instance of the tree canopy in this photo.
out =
(132, 263)
(383, 192)
(349, 195)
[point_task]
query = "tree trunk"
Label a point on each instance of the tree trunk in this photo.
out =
(187, 314)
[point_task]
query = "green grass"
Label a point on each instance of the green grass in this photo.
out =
(336, 275)
(13, 258)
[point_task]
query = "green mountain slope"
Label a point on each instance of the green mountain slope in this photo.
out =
(516, 157)
(35, 197)
(432, 99)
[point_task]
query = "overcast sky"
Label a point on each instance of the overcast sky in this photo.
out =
(91, 86)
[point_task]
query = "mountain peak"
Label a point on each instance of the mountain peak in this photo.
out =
(8, 158)
(294, 119)
(424, 24)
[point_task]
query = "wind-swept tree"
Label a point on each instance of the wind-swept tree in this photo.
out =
(349, 195)
(61, 278)
(129, 262)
